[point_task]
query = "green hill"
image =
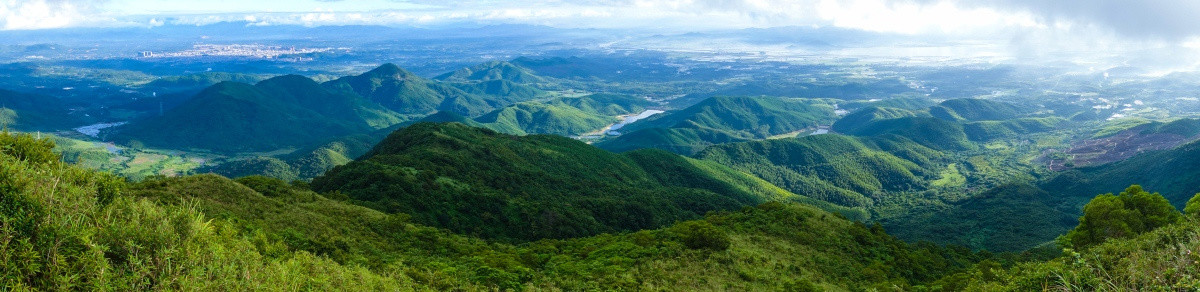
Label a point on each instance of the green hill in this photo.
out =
(493, 71)
(1008, 218)
(908, 103)
(32, 112)
(929, 132)
(749, 117)
(1163, 258)
(411, 95)
(480, 182)
(1175, 173)
(302, 164)
(501, 89)
(281, 112)
(971, 109)
(992, 130)
(681, 141)
(842, 170)
(721, 120)
(1181, 127)
(200, 80)
(852, 122)
(67, 228)
(563, 116)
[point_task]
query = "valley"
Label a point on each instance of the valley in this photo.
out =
(243, 154)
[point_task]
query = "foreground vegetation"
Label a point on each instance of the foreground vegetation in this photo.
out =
(69, 228)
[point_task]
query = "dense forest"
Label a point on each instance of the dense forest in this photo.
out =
(65, 227)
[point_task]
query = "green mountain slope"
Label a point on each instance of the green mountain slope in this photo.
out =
(563, 116)
(480, 182)
(409, 94)
(678, 140)
(971, 109)
(721, 120)
(1161, 259)
(929, 132)
(200, 80)
(1175, 173)
(501, 89)
(842, 170)
(32, 112)
(66, 228)
(69, 228)
(856, 120)
(750, 117)
(492, 71)
(992, 130)
(282, 112)
(1009, 218)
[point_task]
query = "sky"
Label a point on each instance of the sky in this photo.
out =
(1168, 27)
(1170, 20)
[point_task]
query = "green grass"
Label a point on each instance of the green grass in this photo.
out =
(950, 177)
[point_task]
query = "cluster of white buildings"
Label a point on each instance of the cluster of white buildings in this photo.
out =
(235, 50)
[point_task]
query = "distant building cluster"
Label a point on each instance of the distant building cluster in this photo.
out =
(236, 50)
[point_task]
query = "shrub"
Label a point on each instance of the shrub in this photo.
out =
(702, 235)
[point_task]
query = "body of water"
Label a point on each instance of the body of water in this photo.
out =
(630, 119)
(94, 130)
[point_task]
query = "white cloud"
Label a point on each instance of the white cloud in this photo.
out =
(37, 14)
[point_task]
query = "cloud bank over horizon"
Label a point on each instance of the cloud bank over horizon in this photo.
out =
(1162, 31)
(1168, 20)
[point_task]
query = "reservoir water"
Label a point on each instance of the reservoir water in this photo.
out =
(630, 119)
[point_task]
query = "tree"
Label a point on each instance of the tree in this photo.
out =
(700, 234)
(1133, 212)
(1193, 206)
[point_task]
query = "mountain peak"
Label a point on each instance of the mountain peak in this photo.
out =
(389, 69)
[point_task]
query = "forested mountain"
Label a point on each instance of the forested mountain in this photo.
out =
(502, 89)
(563, 116)
(971, 109)
(684, 141)
(32, 112)
(281, 112)
(843, 170)
(1175, 173)
(409, 94)
(720, 120)
(929, 132)
(751, 117)
(493, 185)
(493, 71)
(200, 80)
(305, 163)
(858, 119)
(992, 130)
(258, 233)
